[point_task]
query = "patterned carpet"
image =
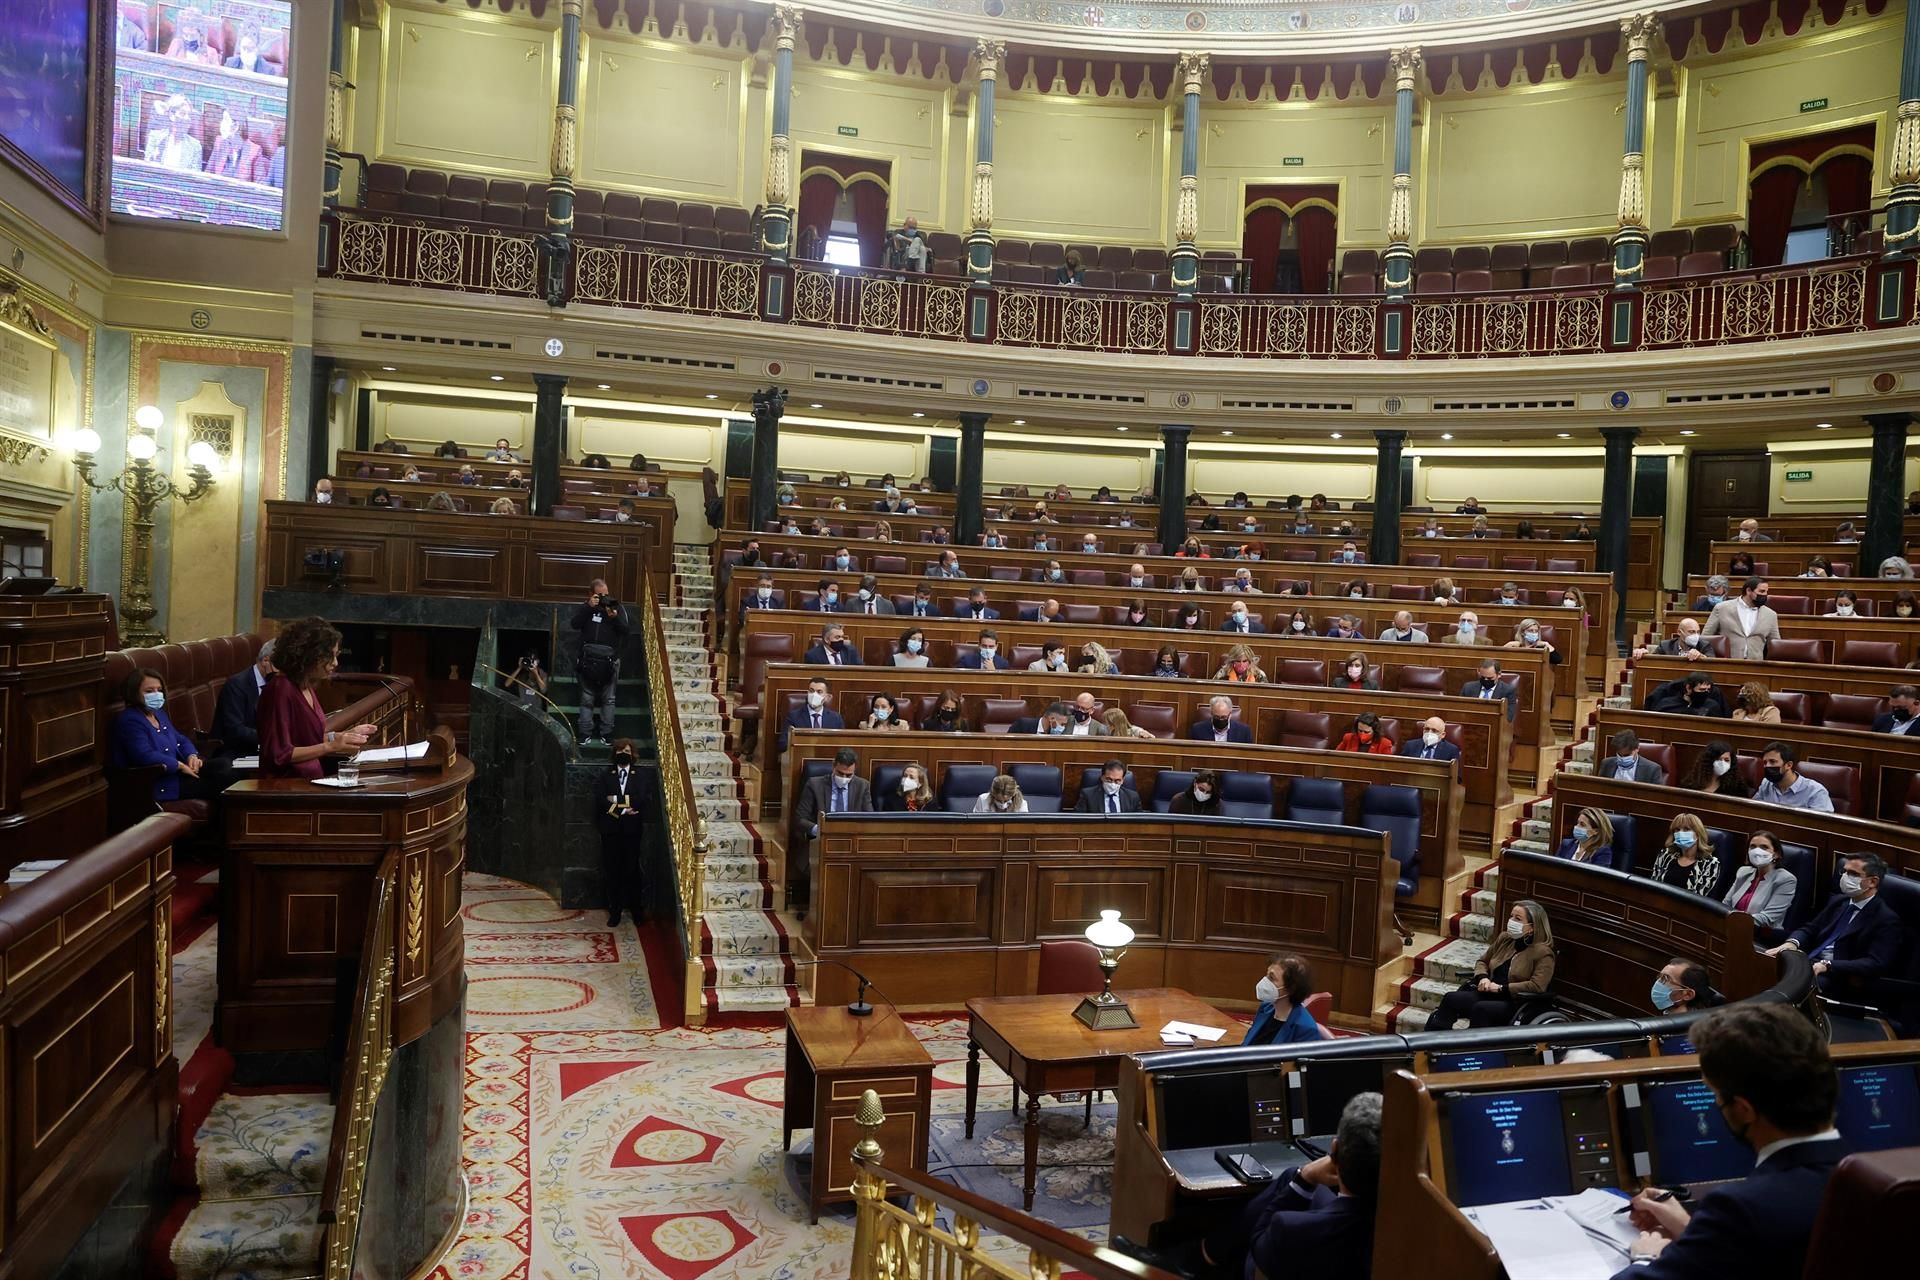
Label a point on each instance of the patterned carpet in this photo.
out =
(601, 1146)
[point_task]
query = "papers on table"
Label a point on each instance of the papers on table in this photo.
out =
(1582, 1237)
(26, 872)
(393, 755)
(332, 782)
(245, 762)
(1181, 1034)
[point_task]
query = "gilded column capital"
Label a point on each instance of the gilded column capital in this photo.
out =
(1405, 64)
(786, 25)
(566, 149)
(980, 207)
(1192, 71)
(1400, 210)
(1637, 30)
(987, 55)
(1633, 198)
(1903, 162)
(571, 8)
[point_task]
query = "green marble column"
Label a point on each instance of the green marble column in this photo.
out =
(564, 160)
(776, 223)
(1630, 241)
(1405, 65)
(986, 56)
(1192, 73)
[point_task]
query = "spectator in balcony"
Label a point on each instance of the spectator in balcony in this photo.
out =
(1896, 569)
(1591, 839)
(1581, 532)
(1523, 530)
(190, 42)
(1763, 888)
(1782, 783)
(1906, 604)
(1299, 626)
(1528, 635)
(449, 449)
(1717, 773)
(1754, 703)
(442, 502)
(323, 491)
(912, 794)
(1318, 503)
(501, 452)
(1201, 799)
(1241, 622)
(380, 497)
(1187, 618)
(1002, 797)
(1353, 674)
(1686, 860)
(808, 246)
(1221, 724)
(1846, 603)
(1749, 531)
(1071, 271)
(911, 651)
(1402, 631)
(1481, 529)
(598, 461)
(883, 713)
(1241, 666)
(1691, 695)
(1166, 663)
(907, 247)
(1715, 596)
(1471, 507)
(1349, 553)
(945, 716)
(1096, 661)
(1365, 737)
(1818, 567)
(1104, 494)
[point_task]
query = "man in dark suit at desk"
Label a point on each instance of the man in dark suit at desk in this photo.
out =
(1775, 1086)
(1903, 712)
(1856, 936)
(1221, 726)
(1113, 795)
(833, 650)
(841, 791)
(923, 605)
(987, 658)
(1315, 1220)
(239, 703)
(814, 714)
(978, 609)
(1432, 743)
(1490, 685)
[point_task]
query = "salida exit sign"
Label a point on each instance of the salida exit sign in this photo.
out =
(1798, 477)
(1813, 104)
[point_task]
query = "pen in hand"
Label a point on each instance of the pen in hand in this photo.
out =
(1656, 1196)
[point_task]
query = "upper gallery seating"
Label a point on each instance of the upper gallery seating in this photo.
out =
(1543, 264)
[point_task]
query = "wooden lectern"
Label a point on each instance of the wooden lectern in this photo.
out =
(298, 873)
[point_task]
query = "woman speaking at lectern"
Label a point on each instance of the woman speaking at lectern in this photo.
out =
(294, 737)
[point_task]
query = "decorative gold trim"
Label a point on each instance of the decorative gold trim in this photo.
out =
(416, 913)
(15, 450)
(162, 977)
(1807, 167)
(1311, 202)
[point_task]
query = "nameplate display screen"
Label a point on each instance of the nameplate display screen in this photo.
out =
(200, 111)
(1687, 1138)
(1527, 1143)
(1879, 1107)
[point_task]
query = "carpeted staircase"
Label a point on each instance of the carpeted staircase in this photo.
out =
(259, 1160)
(1441, 968)
(744, 951)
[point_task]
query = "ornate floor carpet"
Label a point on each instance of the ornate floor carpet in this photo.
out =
(602, 1146)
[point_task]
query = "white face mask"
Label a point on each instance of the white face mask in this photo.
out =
(1356, 595)
(1570, 604)
(1203, 793)
(865, 594)
(816, 700)
(766, 593)
(1759, 857)
(1111, 788)
(1516, 929)
(1299, 625)
(1844, 610)
(324, 497)
(1265, 991)
(909, 784)
(1720, 768)
(986, 650)
(1850, 884)
(1431, 738)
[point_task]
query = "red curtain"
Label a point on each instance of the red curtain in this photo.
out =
(1317, 230)
(1260, 245)
(1849, 186)
(1770, 213)
(818, 194)
(870, 216)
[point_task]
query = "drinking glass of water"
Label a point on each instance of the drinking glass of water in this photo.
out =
(350, 771)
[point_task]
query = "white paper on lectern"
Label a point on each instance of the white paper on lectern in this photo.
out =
(1194, 1029)
(1537, 1241)
(392, 755)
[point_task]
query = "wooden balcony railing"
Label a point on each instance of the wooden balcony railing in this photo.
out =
(1833, 296)
(686, 829)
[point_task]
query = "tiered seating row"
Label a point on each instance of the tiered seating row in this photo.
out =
(1544, 264)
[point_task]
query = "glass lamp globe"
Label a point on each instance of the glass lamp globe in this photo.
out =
(141, 447)
(86, 440)
(148, 418)
(202, 454)
(1106, 1011)
(1109, 932)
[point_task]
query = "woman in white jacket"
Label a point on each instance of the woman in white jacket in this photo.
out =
(1763, 888)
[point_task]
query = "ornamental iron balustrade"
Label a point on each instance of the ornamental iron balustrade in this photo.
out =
(1827, 297)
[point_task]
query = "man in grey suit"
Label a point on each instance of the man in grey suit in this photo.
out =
(869, 600)
(1402, 630)
(1746, 621)
(840, 791)
(1625, 762)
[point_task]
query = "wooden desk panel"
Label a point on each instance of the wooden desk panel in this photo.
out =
(1819, 679)
(428, 553)
(1787, 560)
(832, 1057)
(1214, 899)
(54, 724)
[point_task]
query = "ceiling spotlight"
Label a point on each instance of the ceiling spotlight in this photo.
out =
(603, 386)
(387, 368)
(1446, 435)
(1336, 435)
(712, 396)
(497, 377)
(1226, 433)
(1825, 426)
(816, 406)
(1123, 428)
(918, 414)
(1566, 435)
(1019, 422)
(1686, 433)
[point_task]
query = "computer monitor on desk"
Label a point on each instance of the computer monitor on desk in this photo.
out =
(1318, 1090)
(1220, 1108)
(1482, 1060)
(1681, 1136)
(1880, 1106)
(1501, 1145)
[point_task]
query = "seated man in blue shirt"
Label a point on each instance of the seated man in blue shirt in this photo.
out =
(1774, 1083)
(1782, 783)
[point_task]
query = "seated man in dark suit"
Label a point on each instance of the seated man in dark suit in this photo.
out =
(1856, 936)
(978, 609)
(1490, 685)
(1046, 611)
(923, 605)
(826, 596)
(1774, 1083)
(1055, 721)
(1626, 762)
(1221, 726)
(1314, 1220)
(1691, 695)
(1715, 596)
(1432, 743)
(1243, 622)
(233, 715)
(989, 657)
(1903, 712)
(833, 650)
(1113, 795)
(763, 596)
(816, 714)
(841, 791)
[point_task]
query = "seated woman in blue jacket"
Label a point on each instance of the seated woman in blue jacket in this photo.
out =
(1591, 841)
(1282, 1017)
(142, 735)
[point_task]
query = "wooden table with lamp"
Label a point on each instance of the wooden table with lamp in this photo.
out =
(1058, 1043)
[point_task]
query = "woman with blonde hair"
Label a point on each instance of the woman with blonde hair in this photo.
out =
(883, 532)
(1120, 727)
(1518, 964)
(442, 502)
(1755, 703)
(1096, 661)
(1527, 635)
(503, 507)
(1002, 797)
(1241, 667)
(912, 794)
(1687, 861)
(1591, 841)
(1445, 592)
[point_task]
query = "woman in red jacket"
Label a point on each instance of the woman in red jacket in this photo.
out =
(1365, 736)
(294, 738)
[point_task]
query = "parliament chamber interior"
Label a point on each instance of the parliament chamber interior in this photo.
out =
(619, 618)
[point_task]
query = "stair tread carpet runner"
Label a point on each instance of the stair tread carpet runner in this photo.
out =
(744, 951)
(260, 1160)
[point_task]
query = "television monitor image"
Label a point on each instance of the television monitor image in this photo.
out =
(1486, 1060)
(1527, 1143)
(200, 111)
(1879, 1107)
(1686, 1138)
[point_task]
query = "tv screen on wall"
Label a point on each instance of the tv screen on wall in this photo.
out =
(200, 111)
(47, 93)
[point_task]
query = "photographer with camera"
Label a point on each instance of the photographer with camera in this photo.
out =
(603, 627)
(529, 681)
